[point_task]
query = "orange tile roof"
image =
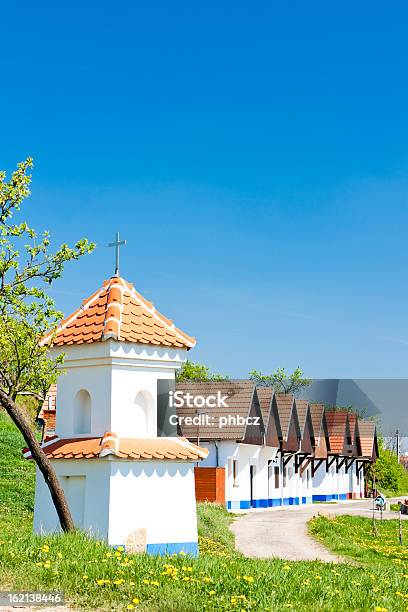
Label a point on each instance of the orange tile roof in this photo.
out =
(352, 417)
(171, 449)
(118, 311)
(337, 426)
(367, 433)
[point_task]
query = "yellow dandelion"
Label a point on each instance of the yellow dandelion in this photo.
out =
(211, 592)
(135, 600)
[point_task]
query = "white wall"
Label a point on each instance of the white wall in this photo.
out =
(157, 496)
(121, 379)
(95, 502)
(245, 455)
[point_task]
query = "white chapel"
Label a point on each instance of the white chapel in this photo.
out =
(124, 483)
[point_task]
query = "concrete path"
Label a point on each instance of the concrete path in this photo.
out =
(283, 533)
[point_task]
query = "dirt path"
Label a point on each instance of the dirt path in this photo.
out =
(283, 533)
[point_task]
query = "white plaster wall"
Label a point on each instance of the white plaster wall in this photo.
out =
(264, 489)
(157, 496)
(95, 380)
(113, 373)
(246, 455)
(291, 488)
(324, 482)
(96, 502)
(305, 483)
(275, 492)
(343, 481)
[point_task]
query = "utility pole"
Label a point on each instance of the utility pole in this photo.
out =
(398, 444)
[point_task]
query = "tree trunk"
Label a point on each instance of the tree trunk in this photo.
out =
(42, 461)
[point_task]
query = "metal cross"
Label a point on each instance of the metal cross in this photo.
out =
(117, 244)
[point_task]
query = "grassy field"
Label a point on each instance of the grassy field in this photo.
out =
(93, 576)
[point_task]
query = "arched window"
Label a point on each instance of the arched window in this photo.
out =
(143, 414)
(82, 412)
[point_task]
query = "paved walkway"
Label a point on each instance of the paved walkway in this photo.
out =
(283, 533)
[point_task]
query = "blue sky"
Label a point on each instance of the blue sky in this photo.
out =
(253, 156)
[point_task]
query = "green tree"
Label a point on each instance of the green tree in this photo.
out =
(388, 473)
(27, 268)
(281, 381)
(197, 372)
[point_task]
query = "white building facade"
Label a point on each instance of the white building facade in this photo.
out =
(117, 474)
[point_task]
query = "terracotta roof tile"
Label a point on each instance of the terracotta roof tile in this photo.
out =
(133, 448)
(118, 311)
(367, 434)
(337, 426)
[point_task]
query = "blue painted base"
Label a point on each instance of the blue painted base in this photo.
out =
(274, 503)
(171, 548)
(322, 498)
(306, 500)
(245, 504)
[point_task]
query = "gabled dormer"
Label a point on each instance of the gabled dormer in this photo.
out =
(307, 443)
(290, 434)
(321, 432)
(237, 416)
(267, 400)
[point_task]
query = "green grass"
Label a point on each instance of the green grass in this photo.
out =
(353, 536)
(92, 576)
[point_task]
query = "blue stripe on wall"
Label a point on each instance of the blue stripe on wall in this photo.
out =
(189, 548)
(322, 498)
(273, 503)
(244, 504)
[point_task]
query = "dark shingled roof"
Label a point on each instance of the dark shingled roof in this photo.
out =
(242, 398)
(302, 407)
(265, 395)
(286, 405)
(317, 413)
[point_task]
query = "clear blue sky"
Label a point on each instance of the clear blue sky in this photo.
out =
(254, 155)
